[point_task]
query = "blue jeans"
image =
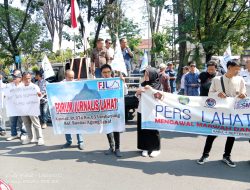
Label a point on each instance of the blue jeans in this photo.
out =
(98, 73)
(14, 123)
(44, 109)
(69, 138)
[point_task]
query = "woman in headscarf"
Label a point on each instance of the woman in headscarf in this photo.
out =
(148, 140)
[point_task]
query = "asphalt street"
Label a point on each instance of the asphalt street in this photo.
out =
(32, 167)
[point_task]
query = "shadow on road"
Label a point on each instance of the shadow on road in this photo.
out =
(213, 169)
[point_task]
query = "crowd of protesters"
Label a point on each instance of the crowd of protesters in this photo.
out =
(193, 83)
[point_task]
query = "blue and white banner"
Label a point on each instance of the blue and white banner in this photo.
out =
(88, 106)
(198, 115)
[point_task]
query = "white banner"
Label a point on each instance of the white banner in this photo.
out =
(47, 68)
(22, 101)
(199, 115)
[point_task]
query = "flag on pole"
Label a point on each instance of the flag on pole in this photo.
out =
(56, 43)
(47, 68)
(118, 63)
(144, 63)
(86, 33)
(227, 56)
(74, 13)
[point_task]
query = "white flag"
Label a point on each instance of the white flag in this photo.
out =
(226, 57)
(118, 63)
(47, 68)
(56, 44)
(144, 63)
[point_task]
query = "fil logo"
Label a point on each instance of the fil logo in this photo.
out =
(108, 85)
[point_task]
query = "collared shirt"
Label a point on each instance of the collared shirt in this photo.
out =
(127, 58)
(100, 57)
(190, 80)
(111, 52)
(233, 86)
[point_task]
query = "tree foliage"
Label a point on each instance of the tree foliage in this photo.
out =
(19, 33)
(215, 23)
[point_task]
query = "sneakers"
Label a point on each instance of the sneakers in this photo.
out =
(109, 151)
(118, 153)
(144, 153)
(80, 146)
(66, 145)
(40, 142)
(11, 138)
(44, 126)
(26, 141)
(228, 161)
(2, 133)
(202, 160)
(155, 153)
(34, 140)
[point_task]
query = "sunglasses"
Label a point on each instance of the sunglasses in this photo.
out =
(192, 66)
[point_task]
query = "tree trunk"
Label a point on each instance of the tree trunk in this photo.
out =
(182, 44)
(208, 56)
(99, 26)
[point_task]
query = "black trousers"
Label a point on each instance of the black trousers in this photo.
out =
(147, 139)
(209, 143)
(114, 140)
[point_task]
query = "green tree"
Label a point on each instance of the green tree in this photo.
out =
(12, 24)
(213, 23)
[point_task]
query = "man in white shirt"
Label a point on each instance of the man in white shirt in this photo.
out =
(111, 51)
(15, 121)
(30, 121)
(234, 86)
(246, 76)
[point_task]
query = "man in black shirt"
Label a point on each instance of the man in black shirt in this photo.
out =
(206, 77)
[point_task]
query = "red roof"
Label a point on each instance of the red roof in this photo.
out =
(145, 44)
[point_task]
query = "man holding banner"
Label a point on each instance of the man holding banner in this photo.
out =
(31, 120)
(15, 121)
(228, 85)
(69, 76)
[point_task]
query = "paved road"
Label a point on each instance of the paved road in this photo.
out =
(30, 167)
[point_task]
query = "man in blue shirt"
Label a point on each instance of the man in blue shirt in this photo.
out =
(191, 85)
(172, 76)
(127, 54)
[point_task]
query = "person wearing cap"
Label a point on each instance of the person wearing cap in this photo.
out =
(191, 85)
(15, 121)
(172, 76)
(234, 86)
(44, 107)
(164, 78)
(185, 70)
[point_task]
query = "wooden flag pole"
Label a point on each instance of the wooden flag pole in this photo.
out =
(80, 69)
